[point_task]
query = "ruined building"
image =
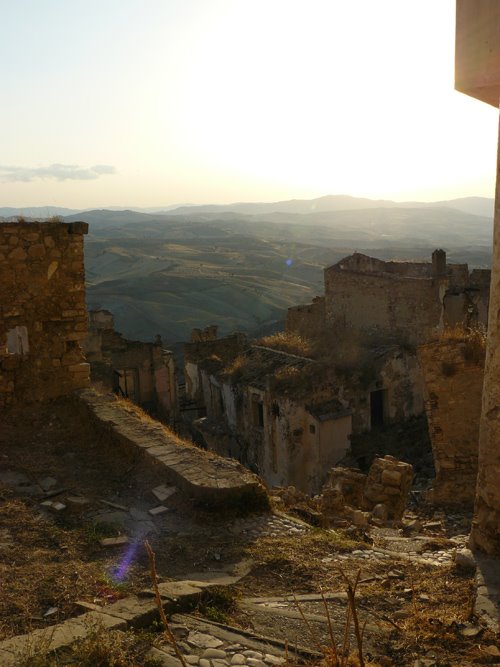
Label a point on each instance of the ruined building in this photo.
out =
(403, 302)
(204, 350)
(477, 73)
(289, 417)
(42, 311)
(142, 372)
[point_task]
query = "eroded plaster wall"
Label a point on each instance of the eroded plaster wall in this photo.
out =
(42, 311)
(273, 435)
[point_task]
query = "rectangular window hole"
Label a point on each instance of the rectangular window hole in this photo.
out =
(17, 341)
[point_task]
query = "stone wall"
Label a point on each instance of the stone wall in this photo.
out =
(403, 301)
(395, 307)
(42, 311)
(477, 73)
(307, 320)
(377, 497)
(453, 373)
(388, 483)
(209, 480)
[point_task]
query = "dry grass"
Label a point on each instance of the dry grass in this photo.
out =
(236, 368)
(288, 342)
(472, 344)
(435, 603)
(133, 409)
(47, 566)
(100, 648)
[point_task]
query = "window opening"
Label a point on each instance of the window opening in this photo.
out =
(17, 341)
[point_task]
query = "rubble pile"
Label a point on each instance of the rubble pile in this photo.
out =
(351, 497)
(389, 482)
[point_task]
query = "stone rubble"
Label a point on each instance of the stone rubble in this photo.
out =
(349, 497)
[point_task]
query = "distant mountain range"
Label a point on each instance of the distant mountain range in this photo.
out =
(242, 265)
(475, 205)
(482, 206)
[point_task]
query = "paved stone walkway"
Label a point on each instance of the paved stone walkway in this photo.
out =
(209, 644)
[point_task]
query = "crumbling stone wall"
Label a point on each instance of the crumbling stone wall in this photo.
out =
(306, 320)
(42, 311)
(403, 301)
(388, 483)
(399, 308)
(453, 373)
(477, 73)
(377, 497)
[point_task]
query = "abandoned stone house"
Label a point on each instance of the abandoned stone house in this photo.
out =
(402, 302)
(145, 373)
(392, 307)
(42, 311)
(289, 418)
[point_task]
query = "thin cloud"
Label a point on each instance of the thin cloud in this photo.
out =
(58, 172)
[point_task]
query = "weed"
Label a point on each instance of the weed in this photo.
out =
(35, 652)
(154, 579)
(217, 604)
(97, 531)
(111, 648)
(334, 655)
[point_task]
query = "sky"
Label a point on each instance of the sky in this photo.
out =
(151, 103)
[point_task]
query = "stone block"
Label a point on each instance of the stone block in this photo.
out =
(36, 251)
(391, 477)
(18, 254)
(134, 611)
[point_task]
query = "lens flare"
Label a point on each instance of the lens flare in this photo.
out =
(119, 573)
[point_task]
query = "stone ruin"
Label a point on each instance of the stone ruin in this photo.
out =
(377, 498)
(350, 496)
(43, 318)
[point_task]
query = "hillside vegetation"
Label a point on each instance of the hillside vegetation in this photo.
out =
(169, 272)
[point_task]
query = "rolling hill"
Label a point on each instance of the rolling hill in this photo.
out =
(168, 272)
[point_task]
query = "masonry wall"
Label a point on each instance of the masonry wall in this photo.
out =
(453, 373)
(306, 320)
(395, 307)
(42, 311)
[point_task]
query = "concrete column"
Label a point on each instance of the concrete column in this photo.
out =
(485, 533)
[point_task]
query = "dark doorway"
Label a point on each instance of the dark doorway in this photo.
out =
(377, 408)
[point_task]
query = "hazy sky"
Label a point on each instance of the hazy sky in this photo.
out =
(156, 102)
